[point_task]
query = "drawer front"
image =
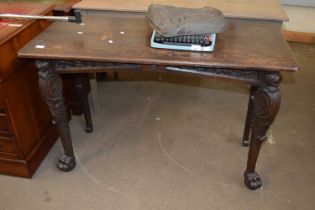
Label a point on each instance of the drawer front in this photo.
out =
(5, 130)
(7, 147)
(5, 126)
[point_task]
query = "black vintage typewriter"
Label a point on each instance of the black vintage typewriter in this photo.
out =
(198, 42)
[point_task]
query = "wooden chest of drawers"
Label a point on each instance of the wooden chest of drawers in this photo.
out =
(26, 131)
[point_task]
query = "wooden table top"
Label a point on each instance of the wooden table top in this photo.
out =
(253, 9)
(247, 44)
(10, 27)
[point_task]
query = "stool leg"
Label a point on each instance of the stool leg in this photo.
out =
(249, 116)
(94, 92)
(81, 87)
(115, 75)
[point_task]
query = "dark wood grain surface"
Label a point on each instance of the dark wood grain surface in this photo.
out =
(247, 44)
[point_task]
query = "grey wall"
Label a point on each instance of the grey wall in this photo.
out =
(300, 2)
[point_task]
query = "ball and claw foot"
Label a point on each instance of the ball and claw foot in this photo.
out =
(252, 181)
(66, 163)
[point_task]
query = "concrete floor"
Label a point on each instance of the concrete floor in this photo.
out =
(177, 145)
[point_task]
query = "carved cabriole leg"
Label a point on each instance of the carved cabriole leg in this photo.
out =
(249, 116)
(50, 86)
(265, 108)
